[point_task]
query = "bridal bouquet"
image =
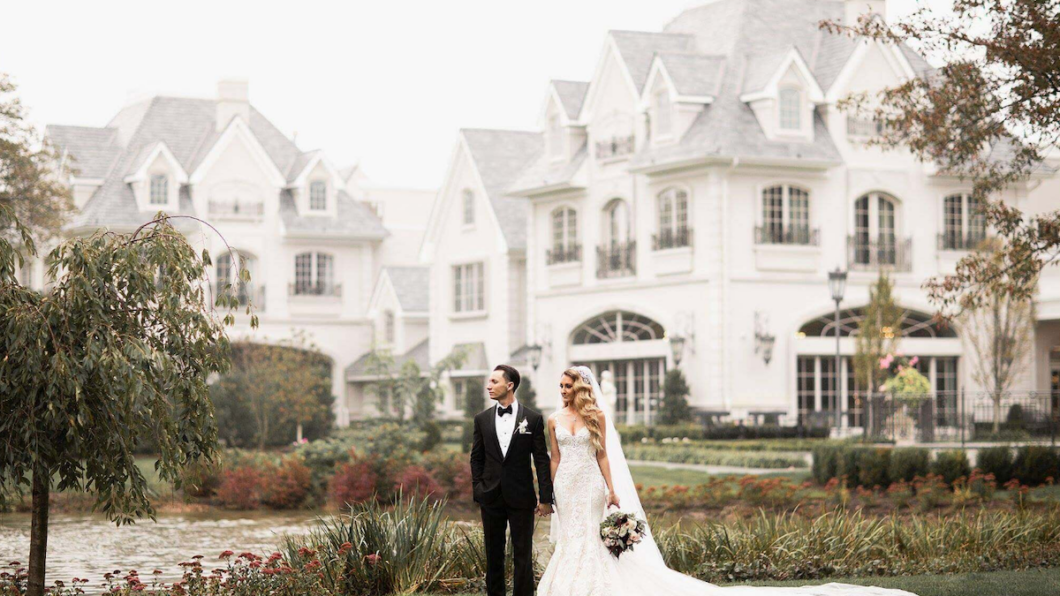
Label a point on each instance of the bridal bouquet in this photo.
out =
(620, 531)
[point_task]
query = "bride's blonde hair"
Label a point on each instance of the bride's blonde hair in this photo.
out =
(583, 402)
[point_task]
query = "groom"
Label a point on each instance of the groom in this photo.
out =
(506, 437)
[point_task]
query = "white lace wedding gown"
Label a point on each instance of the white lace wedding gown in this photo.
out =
(582, 566)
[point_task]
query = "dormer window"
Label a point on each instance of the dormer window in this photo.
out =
(469, 208)
(159, 189)
(318, 195)
(555, 136)
(790, 109)
(663, 115)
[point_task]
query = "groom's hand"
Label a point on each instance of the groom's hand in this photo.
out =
(544, 510)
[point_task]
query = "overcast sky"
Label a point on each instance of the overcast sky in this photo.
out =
(385, 83)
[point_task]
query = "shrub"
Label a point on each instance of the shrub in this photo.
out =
(201, 478)
(996, 461)
(354, 482)
(874, 467)
(1035, 463)
(241, 488)
(432, 435)
(288, 484)
(452, 472)
(824, 466)
(951, 465)
(908, 463)
(417, 482)
(931, 491)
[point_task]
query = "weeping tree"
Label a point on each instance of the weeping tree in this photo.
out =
(115, 356)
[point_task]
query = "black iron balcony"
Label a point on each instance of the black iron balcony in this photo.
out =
(954, 240)
(880, 253)
(244, 293)
(616, 259)
(614, 147)
(666, 239)
(564, 254)
(314, 289)
(799, 235)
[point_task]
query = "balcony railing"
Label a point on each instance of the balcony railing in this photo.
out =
(616, 259)
(564, 254)
(314, 289)
(666, 239)
(880, 253)
(957, 241)
(244, 294)
(803, 235)
(614, 147)
(237, 209)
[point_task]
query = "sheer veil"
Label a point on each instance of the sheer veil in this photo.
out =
(621, 478)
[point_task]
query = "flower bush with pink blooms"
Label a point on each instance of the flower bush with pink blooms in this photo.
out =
(904, 381)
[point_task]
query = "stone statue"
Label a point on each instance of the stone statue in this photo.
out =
(607, 387)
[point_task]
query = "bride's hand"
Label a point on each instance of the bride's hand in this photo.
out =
(612, 499)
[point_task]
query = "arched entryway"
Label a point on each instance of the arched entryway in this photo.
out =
(818, 386)
(632, 348)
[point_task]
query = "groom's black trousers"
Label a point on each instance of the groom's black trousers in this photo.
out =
(495, 519)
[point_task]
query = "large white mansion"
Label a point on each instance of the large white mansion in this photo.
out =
(682, 207)
(317, 239)
(700, 186)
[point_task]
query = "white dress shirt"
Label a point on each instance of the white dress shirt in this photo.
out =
(506, 425)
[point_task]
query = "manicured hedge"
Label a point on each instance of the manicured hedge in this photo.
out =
(871, 466)
(634, 433)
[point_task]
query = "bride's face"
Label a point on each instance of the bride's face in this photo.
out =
(566, 388)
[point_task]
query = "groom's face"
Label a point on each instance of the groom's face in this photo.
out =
(497, 386)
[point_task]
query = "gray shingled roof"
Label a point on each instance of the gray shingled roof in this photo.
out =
(353, 220)
(93, 151)
(545, 172)
(420, 354)
(694, 74)
(412, 287)
(638, 48)
(188, 128)
(572, 96)
(500, 156)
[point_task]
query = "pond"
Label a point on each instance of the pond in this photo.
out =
(87, 545)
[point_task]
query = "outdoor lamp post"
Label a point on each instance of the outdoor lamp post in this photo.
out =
(837, 283)
(677, 345)
(533, 352)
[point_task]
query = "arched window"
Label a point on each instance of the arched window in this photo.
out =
(314, 275)
(785, 216)
(159, 189)
(227, 272)
(318, 195)
(555, 136)
(565, 247)
(875, 240)
(672, 209)
(663, 113)
(617, 326)
(469, 207)
(616, 257)
(963, 222)
(913, 324)
(790, 109)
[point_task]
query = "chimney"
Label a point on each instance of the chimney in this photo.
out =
(232, 102)
(856, 8)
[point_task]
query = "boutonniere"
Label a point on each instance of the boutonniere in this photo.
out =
(522, 428)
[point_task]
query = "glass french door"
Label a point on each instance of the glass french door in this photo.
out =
(638, 385)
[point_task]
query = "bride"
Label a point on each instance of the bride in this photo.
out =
(589, 473)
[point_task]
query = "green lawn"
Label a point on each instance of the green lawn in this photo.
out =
(1034, 582)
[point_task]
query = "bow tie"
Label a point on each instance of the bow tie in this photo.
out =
(502, 411)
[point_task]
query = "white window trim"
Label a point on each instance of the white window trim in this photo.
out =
(800, 111)
(474, 313)
(314, 270)
(467, 197)
(151, 190)
(309, 197)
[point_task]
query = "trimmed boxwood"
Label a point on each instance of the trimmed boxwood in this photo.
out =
(951, 465)
(909, 463)
(996, 461)
(874, 467)
(1035, 463)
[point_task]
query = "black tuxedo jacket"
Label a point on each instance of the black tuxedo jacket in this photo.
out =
(498, 479)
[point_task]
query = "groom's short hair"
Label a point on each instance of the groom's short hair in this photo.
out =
(510, 374)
